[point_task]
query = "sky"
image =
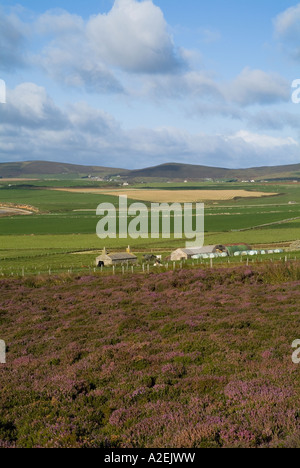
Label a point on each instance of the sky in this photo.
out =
(137, 83)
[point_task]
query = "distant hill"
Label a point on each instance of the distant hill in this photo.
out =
(46, 168)
(164, 172)
(173, 171)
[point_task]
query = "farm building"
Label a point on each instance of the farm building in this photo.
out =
(230, 250)
(115, 258)
(185, 254)
(234, 248)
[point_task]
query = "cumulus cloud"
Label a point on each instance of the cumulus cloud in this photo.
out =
(195, 84)
(134, 37)
(131, 44)
(249, 88)
(12, 42)
(59, 22)
(278, 120)
(287, 23)
(73, 66)
(29, 105)
(34, 127)
(257, 87)
(287, 29)
(263, 141)
(131, 51)
(68, 56)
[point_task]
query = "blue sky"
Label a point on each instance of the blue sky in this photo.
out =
(130, 83)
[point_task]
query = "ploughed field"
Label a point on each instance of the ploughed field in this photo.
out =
(191, 358)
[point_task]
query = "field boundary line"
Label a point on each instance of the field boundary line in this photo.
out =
(283, 221)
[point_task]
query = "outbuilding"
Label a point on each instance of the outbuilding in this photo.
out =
(116, 258)
(233, 249)
(186, 254)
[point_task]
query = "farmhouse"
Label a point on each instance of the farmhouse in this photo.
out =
(115, 258)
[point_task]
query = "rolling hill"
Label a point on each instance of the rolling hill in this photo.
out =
(175, 171)
(40, 169)
(164, 172)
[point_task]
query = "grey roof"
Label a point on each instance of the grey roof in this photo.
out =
(200, 250)
(122, 256)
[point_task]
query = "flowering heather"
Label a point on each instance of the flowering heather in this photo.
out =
(184, 359)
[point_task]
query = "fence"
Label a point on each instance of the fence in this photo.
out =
(143, 267)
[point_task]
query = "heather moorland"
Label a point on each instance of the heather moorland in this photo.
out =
(191, 358)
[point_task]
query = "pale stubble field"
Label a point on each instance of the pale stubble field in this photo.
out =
(173, 196)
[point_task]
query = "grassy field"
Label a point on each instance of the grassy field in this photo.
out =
(66, 222)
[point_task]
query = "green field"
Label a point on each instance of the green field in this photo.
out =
(62, 227)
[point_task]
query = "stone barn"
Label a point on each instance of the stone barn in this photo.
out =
(111, 259)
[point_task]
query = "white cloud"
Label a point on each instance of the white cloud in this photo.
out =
(249, 88)
(34, 127)
(271, 120)
(134, 37)
(59, 23)
(191, 84)
(287, 29)
(130, 50)
(68, 56)
(73, 66)
(257, 87)
(12, 42)
(263, 141)
(287, 23)
(29, 105)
